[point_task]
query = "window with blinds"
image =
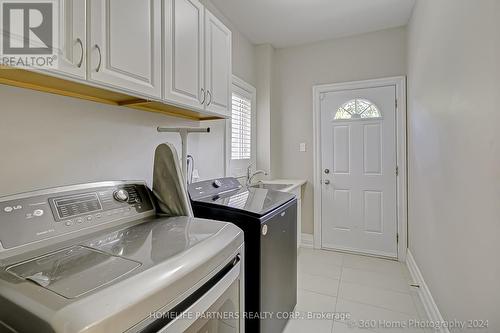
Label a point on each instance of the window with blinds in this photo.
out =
(241, 128)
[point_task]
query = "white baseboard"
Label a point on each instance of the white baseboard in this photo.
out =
(424, 293)
(306, 240)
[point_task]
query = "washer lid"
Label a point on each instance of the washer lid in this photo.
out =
(256, 201)
(74, 271)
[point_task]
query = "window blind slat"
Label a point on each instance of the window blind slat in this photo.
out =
(241, 127)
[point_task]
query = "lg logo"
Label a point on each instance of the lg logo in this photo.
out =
(27, 28)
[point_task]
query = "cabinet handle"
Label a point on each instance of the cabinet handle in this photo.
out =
(204, 95)
(100, 58)
(79, 41)
(210, 97)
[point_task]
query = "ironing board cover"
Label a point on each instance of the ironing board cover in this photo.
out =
(169, 185)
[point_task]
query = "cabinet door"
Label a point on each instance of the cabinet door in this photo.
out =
(72, 39)
(218, 65)
(184, 52)
(125, 45)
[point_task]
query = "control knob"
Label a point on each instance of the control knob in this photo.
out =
(121, 195)
(217, 183)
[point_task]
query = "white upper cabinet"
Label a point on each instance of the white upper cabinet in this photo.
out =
(125, 45)
(184, 52)
(197, 58)
(72, 39)
(173, 51)
(218, 70)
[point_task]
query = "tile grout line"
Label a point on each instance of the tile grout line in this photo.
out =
(341, 280)
(382, 273)
(376, 306)
(338, 293)
(373, 271)
(338, 287)
(317, 293)
(381, 288)
(322, 275)
(380, 307)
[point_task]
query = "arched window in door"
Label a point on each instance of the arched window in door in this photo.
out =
(357, 109)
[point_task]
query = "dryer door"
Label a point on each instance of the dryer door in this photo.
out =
(220, 309)
(220, 317)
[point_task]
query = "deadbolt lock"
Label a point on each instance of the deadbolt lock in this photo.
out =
(327, 170)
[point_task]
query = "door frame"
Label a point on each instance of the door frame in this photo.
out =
(401, 156)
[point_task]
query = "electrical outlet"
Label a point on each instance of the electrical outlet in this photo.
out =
(302, 147)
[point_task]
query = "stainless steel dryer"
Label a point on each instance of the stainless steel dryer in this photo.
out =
(97, 258)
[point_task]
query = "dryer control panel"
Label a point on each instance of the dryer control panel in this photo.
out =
(36, 216)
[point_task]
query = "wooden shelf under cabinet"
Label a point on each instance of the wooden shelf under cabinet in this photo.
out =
(54, 85)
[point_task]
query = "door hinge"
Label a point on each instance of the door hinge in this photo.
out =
(397, 171)
(396, 103)
(397, 238)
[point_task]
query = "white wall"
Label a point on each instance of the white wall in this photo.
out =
(297, 69)
(454, 154)
(48, 140)
(210, 150)
(264, 57)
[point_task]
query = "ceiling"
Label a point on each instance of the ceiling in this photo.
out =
(285, 23)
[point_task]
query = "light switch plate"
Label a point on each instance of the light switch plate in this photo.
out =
(302, 147)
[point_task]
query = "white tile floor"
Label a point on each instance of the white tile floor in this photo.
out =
(368, 289)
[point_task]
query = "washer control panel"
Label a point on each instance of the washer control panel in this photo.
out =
(210, 188)
(39, 215)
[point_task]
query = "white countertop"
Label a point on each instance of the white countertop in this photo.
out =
(294, 183)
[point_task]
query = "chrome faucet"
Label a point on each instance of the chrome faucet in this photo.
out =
(251, 174)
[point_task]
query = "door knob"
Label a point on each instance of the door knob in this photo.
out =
(327, 181)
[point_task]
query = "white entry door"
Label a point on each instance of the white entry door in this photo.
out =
(358, 161)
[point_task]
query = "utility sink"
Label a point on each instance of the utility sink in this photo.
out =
(275, 187)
